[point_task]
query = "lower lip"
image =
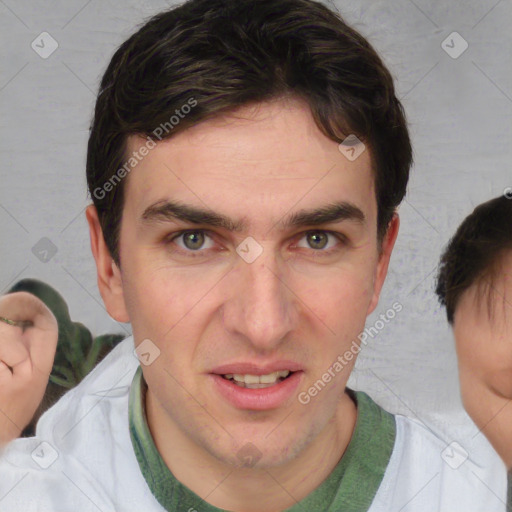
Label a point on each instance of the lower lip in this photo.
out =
(258, 399)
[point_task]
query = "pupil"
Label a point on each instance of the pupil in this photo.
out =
(194, 240)
(317, 240)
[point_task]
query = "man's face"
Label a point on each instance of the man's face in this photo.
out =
(484, 351)
(218, 303)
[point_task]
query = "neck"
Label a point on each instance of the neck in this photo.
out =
(272, 488)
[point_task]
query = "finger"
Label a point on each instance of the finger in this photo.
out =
(14, 356)
(41, 338)
(22, 323)
(4, 368)
(12, 348)
(42, 345)
(39, 341)
(26, 307)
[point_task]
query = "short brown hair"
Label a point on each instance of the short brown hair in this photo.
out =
(224, 54)
(474, 254)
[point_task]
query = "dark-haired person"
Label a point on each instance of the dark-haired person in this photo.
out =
(245, 161)
(475, 285)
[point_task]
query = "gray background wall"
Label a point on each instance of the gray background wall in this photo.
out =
(459, 111)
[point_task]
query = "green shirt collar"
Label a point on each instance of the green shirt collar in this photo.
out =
(352, 484)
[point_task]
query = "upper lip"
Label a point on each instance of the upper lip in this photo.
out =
(248, 368)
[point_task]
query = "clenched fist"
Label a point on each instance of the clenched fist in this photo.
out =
(27, 351)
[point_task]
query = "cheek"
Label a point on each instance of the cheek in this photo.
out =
(343, 301)
(497, 367)
(155, 304)
(484, 360)
(501, 382)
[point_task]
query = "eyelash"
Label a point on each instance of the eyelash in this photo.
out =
(198, 253)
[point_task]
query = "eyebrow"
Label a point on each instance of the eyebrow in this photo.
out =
(168, 211)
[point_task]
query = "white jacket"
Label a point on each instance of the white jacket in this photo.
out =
(82, 459)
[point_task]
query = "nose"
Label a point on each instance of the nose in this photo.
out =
(261, 307)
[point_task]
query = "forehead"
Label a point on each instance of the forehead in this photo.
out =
(267, 155)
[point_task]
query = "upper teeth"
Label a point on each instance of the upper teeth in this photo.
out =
(258, 379)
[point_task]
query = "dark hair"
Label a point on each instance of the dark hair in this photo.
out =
(474, 254)
(210, 57)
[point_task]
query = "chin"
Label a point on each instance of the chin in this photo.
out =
(257, 452)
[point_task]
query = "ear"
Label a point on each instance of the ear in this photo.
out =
(110, 281)
(384, 256)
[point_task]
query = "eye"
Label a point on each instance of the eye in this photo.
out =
(193, 240)
(320, 240)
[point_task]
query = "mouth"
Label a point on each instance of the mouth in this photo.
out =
(257, 381)
(246, 386)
